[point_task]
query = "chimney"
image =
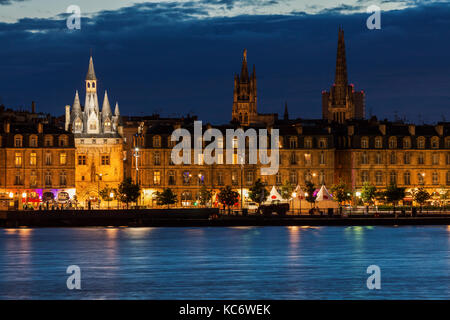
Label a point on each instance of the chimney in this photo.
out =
(412, 129)
(351, 130)
(440, 129)
(33, 107)
(299, 129)
(382, 128)
(40, 127)
(7, 127)
(67, 122)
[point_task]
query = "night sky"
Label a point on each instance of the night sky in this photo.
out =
(176, 57)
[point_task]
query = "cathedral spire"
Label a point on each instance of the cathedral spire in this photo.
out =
(91, 72)
(341, 62)
(244, 70)
(286, 113)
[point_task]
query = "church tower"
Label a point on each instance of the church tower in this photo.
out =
(245, 98)
(342, 102)
(98, 141)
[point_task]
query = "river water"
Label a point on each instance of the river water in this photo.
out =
(226, 263)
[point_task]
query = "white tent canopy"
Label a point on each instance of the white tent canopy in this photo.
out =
(274, 195)
(323, 195)
(299, 194)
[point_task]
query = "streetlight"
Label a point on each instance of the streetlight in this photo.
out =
(241, 162)
(136, 156)
(99, 175)
(111, 196)
(294, 195)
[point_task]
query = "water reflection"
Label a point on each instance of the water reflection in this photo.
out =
(226, 263)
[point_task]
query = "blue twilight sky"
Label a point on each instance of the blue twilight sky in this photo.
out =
(175, 57)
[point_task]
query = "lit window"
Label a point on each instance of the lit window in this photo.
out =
(157, 178)
(105, 160)
(18, 159)
(63, 158)
(33, 159)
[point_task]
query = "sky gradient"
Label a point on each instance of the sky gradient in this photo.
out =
(180, 57)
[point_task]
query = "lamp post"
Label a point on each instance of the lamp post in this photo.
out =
(242, 182)
(111, 196)
(136, 156)
(99, 177)
(294, 195)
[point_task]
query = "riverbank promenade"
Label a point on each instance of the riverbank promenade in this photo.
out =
(211, 217)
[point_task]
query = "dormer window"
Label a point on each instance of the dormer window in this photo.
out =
(107, 125)
(78, 125)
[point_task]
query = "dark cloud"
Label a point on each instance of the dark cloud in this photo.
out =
(161, 57)
(9, 2)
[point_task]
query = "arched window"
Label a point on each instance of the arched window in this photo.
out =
(407, 178)
(406, 142)
(435, 142)
(364, 158)
(364, 143)
(378, 142)
(421, 142)
(435, 178)
(78, 125)
(393, 177)
(156, 141)
(18, 141)
(293, 177)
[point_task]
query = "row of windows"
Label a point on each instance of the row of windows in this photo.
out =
(188, 178)
(63, 141)
(392, 177)
(378, 159)
(393, 142)
(292, 142)
(18, 159)
(48, 179)
(105, 160)
(293, 159)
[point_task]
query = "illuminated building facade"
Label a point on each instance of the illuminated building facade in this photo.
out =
(37, 164)
(98, 140)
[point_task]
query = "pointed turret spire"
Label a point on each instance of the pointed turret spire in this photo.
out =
(116, 110)
(286, 113)
(341, 62)
(244, 70)
(106, 108)
(91, 72)
(76, 108)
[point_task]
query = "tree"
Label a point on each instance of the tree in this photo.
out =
(309, 190)
(286, 190)
(128, 191)
(106, 193)
(205, 195)
(341, 194)
(368, 192)
(258, 193)
(394, 194)
(167, 197)
(421, 196)
(228, 197)
(444, 195)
